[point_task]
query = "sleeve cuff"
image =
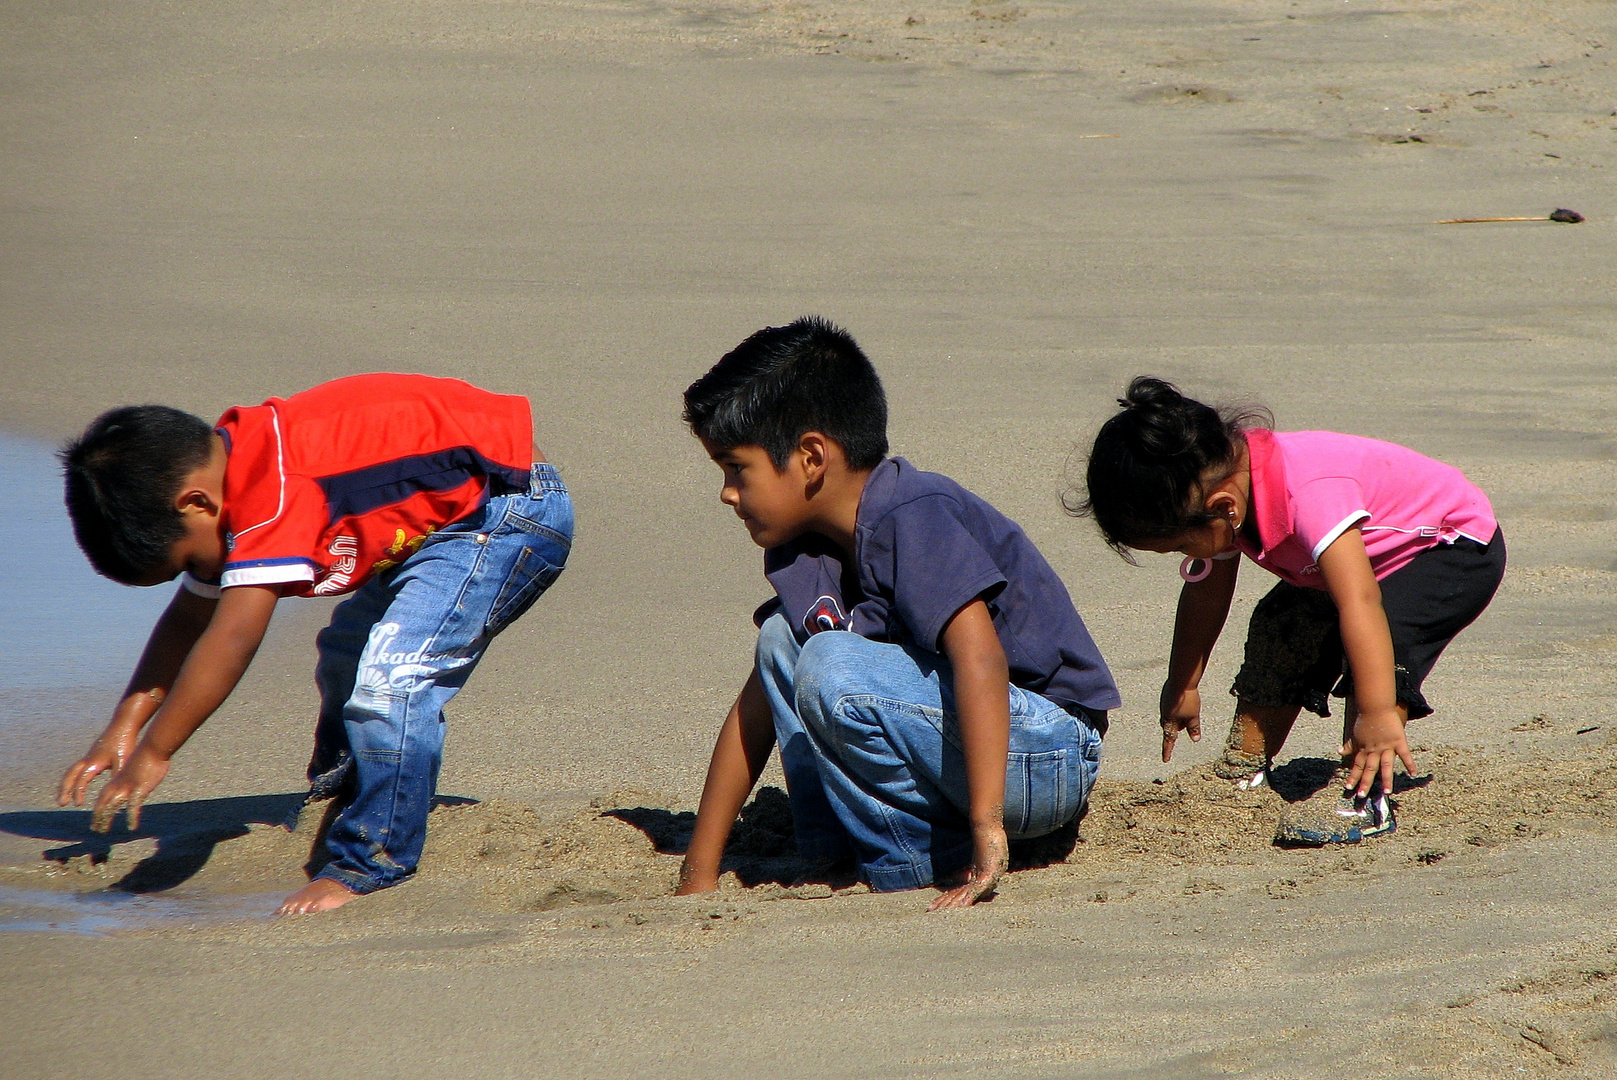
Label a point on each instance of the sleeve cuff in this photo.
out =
(267, 572)
(195, 585)
(1341, 527)
(934, 634)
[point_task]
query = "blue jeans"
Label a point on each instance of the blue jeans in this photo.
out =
(874, 769)
(398, 650)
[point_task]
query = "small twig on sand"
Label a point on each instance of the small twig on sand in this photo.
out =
(1100, 136)
(1567, 217)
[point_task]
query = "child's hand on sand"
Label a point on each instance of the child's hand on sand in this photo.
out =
(991, 857)
(142, 772)
(1377, 741)
(694, 880)
(108, 755)
(1181, 711)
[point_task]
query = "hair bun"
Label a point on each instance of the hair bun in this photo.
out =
(1150, 392)
(1153, 460)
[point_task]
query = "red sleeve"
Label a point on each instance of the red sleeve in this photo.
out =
(273, 521)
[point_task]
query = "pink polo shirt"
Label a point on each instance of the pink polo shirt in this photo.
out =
(1309, 487)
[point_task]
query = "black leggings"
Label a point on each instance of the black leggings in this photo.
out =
(1294, 650)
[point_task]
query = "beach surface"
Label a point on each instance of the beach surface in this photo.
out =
(1015, 207)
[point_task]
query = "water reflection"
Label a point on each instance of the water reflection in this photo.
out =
(108, 911)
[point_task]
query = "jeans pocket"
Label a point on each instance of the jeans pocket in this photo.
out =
(1036, 793)
(531, 575)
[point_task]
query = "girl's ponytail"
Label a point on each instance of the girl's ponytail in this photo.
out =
(1152, 461)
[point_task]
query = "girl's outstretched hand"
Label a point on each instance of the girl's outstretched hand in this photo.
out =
(1181, 711)
(1377, 741)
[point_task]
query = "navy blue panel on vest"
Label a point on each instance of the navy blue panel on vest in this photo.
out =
(351, 494)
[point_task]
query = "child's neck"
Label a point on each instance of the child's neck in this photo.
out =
(209, 477)
(1239, 486)
(213, 473)
(837, 502)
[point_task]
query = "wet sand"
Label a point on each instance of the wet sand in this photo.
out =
(588, 203)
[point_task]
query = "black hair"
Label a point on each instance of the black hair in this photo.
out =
(121, 478)
(785, 380)
(1153, 461)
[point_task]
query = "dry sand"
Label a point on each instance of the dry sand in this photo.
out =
(588, 203)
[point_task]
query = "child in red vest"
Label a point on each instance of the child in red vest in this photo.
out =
(423, 498)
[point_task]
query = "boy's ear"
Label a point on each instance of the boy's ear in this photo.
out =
(195, 500)
(814, 450)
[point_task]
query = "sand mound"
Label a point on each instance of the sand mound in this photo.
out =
(627, 845)
(1465, 799)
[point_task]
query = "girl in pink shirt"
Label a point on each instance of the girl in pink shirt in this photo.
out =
(1384, 556)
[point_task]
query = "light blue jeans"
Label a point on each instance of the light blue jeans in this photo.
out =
(398, 650)
(874, 769)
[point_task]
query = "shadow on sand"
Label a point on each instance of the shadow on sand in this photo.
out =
(186, 833)
(763, 845)
(1302, 778)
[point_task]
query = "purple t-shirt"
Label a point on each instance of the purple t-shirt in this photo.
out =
(925, 548)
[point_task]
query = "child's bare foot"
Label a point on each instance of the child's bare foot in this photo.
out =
(321, 894)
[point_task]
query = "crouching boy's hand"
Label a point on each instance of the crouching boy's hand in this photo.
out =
(990, 858)
(739, 756)
(982, 683)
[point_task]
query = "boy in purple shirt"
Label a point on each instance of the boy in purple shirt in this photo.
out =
(931, 687)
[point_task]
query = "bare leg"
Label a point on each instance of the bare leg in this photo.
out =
(1264, 728)
(321, 894)
(1256, 736)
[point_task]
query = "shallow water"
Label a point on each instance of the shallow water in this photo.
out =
(109, 911)
(68, 637)
(61, 625)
